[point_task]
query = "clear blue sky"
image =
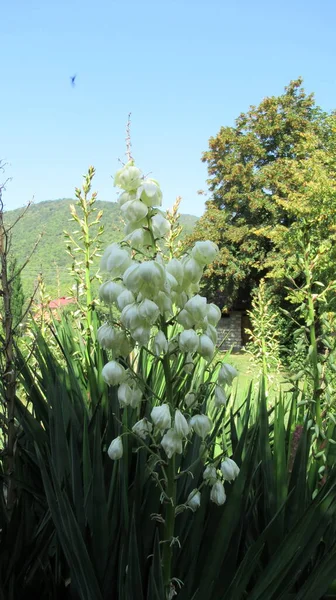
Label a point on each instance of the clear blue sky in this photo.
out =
(182, 67)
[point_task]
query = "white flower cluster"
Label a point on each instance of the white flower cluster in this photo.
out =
(147, 291)
(229, 471)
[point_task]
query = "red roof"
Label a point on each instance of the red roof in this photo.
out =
(63, 301)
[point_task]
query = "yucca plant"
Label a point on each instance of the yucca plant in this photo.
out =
(157, 483)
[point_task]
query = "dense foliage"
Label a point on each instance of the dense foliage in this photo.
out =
(51, 218)
(269, 175)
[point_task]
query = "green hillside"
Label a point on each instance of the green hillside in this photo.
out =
(51, 218)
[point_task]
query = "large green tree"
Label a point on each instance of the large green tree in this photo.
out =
(274, 169)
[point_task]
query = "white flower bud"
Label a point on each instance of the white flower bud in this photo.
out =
(206, 347)
(181, 425)
(113, 373)
(115, 260)
(226, 374)
(161, 418)
(190, 399)
(149, 192)
(210, 474)
(229, 469)
(110, 291)
(171, 443)
(142, 428)
(204, 252)
(115, 449)
(220, 397)
(217, 494)
(213, 314)
(201, 425)
(134, 211)
(160, 226)
(188, 341)
(160, 344)
(184, 319)
(194, 500)
(196, 307)
(125, 394)
(128, 178)
(126, 297)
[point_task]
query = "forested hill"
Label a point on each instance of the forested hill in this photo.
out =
(51, 218)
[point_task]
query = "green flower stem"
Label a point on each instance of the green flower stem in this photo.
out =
(169, 526)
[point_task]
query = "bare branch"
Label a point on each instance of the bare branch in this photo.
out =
(21, 215)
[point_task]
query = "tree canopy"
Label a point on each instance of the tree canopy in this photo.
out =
(271, 173)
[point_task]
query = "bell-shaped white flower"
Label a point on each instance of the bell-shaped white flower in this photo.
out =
(129, 395)
(134, 211)
(188, 341)
(115, 260)
(149, 193)
(142, 428)
(160, 344)
(181, 424)
(141, 335)
(190, 399)
(210, 474)
(115, 449)
(126, 197)
(126, 297)
(226, 374)
(130, 316)
(128, 178)
(229, 469)
(107, 336)
(148, 311)
(171, 443)
(220, 397)
(110, 291)
(164, 303)
(192, 271)
(204, 252)
(113, 373)
(141, 277)
(139, 238)
(175, 268)
(160, 226)
(201, 425)
(185, 319)
(213, 314)
(197, 308)
(206, 347)
(161, 417)
(194, 500)
(217, 494)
